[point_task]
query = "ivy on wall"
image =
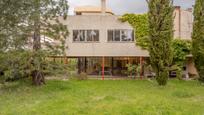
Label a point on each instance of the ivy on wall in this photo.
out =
(140, 24)
(181, 48)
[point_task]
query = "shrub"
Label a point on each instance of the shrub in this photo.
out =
(162, 78)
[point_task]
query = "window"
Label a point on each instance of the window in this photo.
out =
(79, 35)
(117, 35)
(92, 35)
(110, 35)
(120, 35)
(85, 35)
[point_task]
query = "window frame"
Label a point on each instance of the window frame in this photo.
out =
(121, 41)
(86, 35)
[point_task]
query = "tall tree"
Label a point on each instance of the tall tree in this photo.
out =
(198, 38)
(12, 14)
(161, 34)
(23, 25)
(43, 20)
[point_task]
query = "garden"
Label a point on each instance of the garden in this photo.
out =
(95, 97)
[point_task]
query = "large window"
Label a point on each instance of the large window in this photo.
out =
(85, 35)
(120, 35)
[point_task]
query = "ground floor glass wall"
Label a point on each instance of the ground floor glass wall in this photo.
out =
(116, 66)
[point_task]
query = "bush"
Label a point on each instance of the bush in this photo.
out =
(133, 70)
(14, 65)
(178, 70)
(162, 77)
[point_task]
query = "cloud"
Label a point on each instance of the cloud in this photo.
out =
(120, 7)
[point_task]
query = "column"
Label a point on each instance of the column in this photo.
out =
(103, 68)
(141, 67)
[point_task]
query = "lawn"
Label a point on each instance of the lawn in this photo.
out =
(92, 97)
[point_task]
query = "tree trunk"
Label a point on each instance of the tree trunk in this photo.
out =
(37, 74)
(36, 40)
(38, 78)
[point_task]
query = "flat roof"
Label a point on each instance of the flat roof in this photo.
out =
(90, 9)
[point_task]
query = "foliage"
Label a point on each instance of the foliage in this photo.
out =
(198, 38)
(140, 24)
(160, 17)
(18, 64)
(133, 70)
(11, 29)
(181, 48)
(178, 69)
(14, 65)
(24, 25)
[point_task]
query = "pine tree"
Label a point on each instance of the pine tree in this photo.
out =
(10, 16)
(198, 38)
(23, 23)
(43, 20)
(161, 33)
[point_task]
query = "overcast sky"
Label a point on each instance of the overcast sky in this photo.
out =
(120, 7)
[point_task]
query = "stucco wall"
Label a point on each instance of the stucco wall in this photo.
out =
(182, 29)
(101, 48)
(183, 23)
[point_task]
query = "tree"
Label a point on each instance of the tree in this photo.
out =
(198, 38)
(43, 20)
(12, 39)
(23, 25)
(160, 34)
(12, 14)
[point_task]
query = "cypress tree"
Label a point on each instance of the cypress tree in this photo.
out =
(198, 38)
(160, 34)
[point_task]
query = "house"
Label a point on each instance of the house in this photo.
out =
(104, 45)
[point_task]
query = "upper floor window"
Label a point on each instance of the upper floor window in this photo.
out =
(120, 35)
(85, 35)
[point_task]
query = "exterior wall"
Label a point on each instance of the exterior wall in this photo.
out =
(183, 23)
(103, 47)
(182, 26)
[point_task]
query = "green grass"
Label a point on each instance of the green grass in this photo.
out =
(92, 97)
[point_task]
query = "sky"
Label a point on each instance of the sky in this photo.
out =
(120, 7)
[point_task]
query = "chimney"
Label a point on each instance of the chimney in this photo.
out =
(103, 7)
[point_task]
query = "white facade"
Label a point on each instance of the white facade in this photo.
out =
(182, 29)
(103, 23)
